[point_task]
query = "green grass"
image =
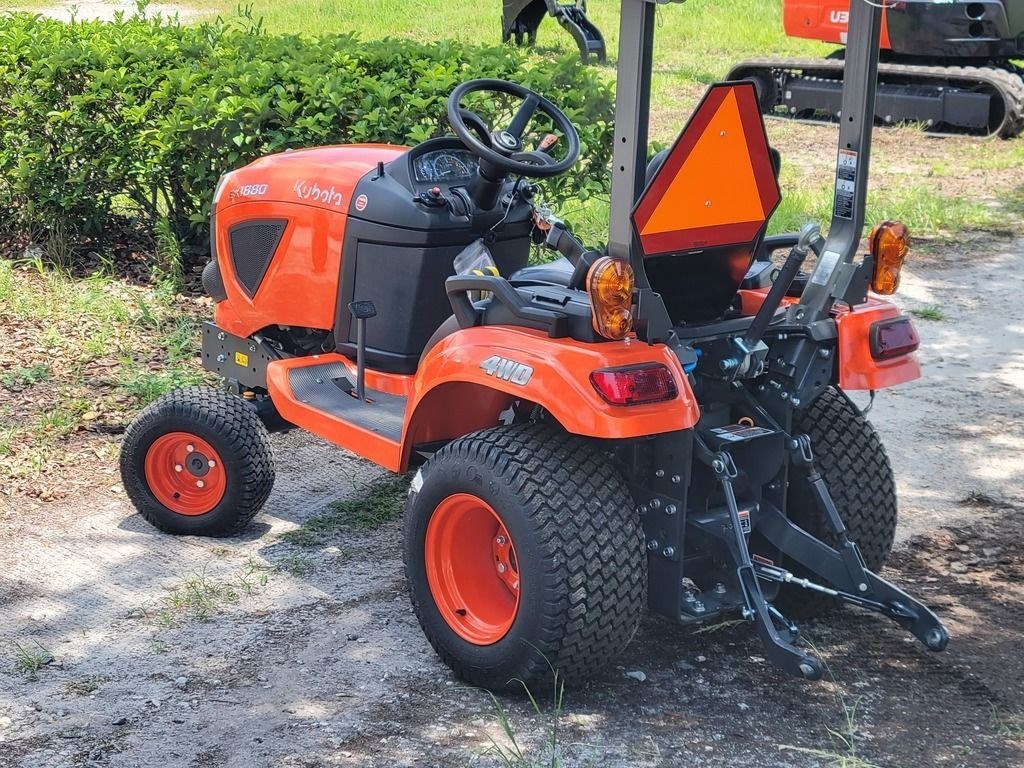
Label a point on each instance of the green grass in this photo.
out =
(25, 377)
(1008, 724)
(928, 313)
(30, 659)
(199, 596)
(381, 503)
(88, 351)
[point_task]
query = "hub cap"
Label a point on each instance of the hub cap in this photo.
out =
(472, 569)
(185, 473)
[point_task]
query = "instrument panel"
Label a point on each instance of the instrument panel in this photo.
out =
(443, 165)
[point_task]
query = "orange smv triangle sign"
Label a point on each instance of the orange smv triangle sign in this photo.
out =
(717, 186)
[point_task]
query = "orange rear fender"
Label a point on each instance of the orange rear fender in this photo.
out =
(523, 364)
(858, 369)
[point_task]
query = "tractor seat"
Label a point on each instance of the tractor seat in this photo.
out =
(559, 271)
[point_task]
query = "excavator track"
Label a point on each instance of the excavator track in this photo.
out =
(982, 101)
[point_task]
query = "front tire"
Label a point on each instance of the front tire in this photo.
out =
(851, 458)
(524, 554)
(197, 461)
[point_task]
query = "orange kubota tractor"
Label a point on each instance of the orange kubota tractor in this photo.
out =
(660, 423)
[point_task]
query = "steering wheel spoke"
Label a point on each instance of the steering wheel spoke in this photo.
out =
(524, 115)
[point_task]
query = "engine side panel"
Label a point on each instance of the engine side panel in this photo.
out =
(299, 285)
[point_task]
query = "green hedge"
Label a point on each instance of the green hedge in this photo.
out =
(140, 117)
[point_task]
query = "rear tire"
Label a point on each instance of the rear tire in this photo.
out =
(197, 461)
(577, 550)
(856, 469)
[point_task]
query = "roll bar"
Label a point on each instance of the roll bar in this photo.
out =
(835, 269)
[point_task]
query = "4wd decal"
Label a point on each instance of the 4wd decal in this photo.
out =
(306, 191)
(507, 370)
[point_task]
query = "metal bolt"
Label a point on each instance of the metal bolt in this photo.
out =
(501, 541)
(515, 584)
(669, 551)
(799, 314)
(670, 509)
(177, 467)
(748, 614)
(642, 509)
(795, 401)
(655, 503)
(784, 395)
(719, 588)
(212, 463)
(252, 347)
(862, 587)
(824, 354)
(222, 358)
(501, 567)
(718, 465)
(200, 483)
(688, 596)
(676, 479)
(190, 448)
(220, 336)
(793, 444)
(698, 607)
(807, 670)
(652, 544)
(659, 473)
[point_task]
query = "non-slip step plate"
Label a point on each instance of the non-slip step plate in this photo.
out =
(327, 388)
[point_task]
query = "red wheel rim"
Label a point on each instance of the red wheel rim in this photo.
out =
(185, 473)
(472, 569)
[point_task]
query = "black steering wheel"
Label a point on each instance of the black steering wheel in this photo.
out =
(504, 150)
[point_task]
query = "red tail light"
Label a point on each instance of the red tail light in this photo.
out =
(635, 384)
(892, 338)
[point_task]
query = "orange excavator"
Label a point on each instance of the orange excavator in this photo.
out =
(948, 65)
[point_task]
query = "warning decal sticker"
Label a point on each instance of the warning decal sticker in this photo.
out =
(846, 183)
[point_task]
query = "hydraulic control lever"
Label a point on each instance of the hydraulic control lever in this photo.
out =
(361, 311)
(809, 235)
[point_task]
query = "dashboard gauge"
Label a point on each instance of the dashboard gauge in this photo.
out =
(444, 165)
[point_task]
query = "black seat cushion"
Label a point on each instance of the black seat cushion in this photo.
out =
(557, 272)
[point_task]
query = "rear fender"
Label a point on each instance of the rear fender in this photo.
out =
(470, 375)
(857, 369)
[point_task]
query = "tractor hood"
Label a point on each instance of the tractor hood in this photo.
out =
(323, 177)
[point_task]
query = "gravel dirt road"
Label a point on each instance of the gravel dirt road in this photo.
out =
(254, 651)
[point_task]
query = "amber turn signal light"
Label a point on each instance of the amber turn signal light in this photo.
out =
(889, 243)
(610, 287)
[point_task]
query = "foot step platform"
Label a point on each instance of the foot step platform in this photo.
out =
(318, 394)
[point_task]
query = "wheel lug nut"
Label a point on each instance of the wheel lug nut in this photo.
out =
(500, 540)
(190, 448)
(212, 463)
(515, 584)
(177, 467)
(200, 483)
(501, 567)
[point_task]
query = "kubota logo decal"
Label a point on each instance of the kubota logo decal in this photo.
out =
(507, 370)
(839, 17)
(306, 191)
